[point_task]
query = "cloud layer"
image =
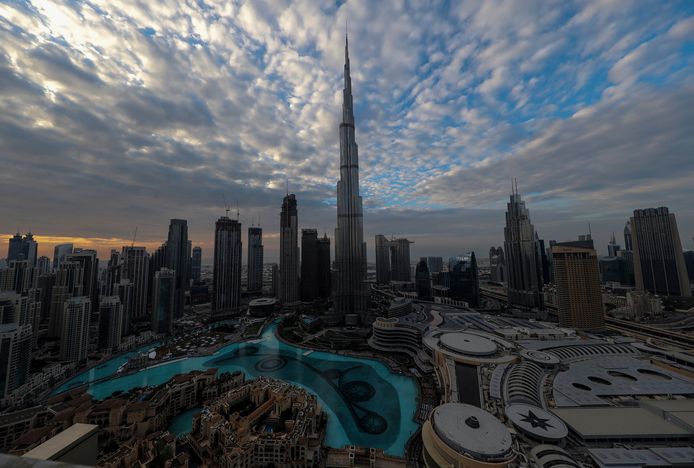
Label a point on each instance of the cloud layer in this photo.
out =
(119, 114)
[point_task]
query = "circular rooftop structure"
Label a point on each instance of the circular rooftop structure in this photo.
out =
(471, 430)
(540, 357)
(468, 344)
(262, 307)
(263, 301)
(536, 422)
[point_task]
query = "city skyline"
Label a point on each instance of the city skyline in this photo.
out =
(446, 117)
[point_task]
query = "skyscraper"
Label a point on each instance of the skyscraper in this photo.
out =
(613, 247)
(227, 264)
(523, 256)
(658, 259)
(435, 264)
(577, 279)
(497, 264)
(112, 273)
(196, 263)
(255, 259)
(351, 294)
(400, 268)
(423, 279)
(289, 251)
(135, 268)
(90, 266)
(43, 264)
(628, 243)
(74, 338)
(382, 259)
(14, 248)
(463, 278)
(15, 356)
(163, 301)
(177, 260)
(22, 248)
(309, 264)
(110, 323)
(59, 253)
(125, 291)
(324, 273)
(69, 280)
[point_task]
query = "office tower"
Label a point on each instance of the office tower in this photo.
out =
(163, 301)
(110, 323)
(523, 256)
(60, 251)
(309, 264)
(463, 278)
(178, 257)
(22, 248)
(196, 263)
(628, 242)
(400, 269)
(289, 251)
(157, 261)
(45, 283)
(43, 264)
(135, 268)
(74, 338)
(227, 264)
(423, 279)
(497, 265)
(90, 266)
(15, 356)
(112, 274)
(20, 276)
(255, 259)
(658, 261)
(125, 291)
(324, 273)
(613, 247)
(544, 260)
(14, 248)
(351, 294)
(382, 259)
(577, 280)
(69, 280)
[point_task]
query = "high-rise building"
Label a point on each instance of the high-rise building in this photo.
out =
(523, 256)
(351, 293)
(577, 279)
(43, 265)
(112, 274)
(157, 261)
(135, 268)
(178, 256)
(497, 265)
(110, 323)
(227, 264)
(125, 291)
(658, 259)
(14, 248)
(613, 247)
(628, 242)
(196, 263)
(90, 266)
(275, 280)
(22, 248)
(74, 339)
(15, 356)
(400, 267)
(382, 259)
(423, 279)
(69, 281)
(324, 273)
(163, 301)
(20, 276)
(255, 259)
(289, 251)
(435, 264)
(463, 278)
(45, 283)
(309, 264)
(60, 251)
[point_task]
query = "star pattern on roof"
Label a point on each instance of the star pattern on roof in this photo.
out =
(536, 421)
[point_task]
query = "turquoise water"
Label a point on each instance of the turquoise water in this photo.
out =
(182, 424)
(366, 404)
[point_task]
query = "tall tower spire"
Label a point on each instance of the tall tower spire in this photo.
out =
(351, 295)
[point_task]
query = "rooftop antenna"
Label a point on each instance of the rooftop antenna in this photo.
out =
(134, 236)
(286, 181)
(237, 209)
(226, 205)
(590, 234)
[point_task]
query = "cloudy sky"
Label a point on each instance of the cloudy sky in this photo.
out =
(117, 114)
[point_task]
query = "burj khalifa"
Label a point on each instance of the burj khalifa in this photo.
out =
(350, 293)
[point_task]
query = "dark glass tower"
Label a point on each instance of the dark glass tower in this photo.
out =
(351, 295)
(324, 273)
(196, 263)
(423, 279)
(227, 264)
(255, 259)
(289, 251)
(309, 264)
(178, 257)
(464, 279)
